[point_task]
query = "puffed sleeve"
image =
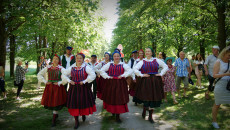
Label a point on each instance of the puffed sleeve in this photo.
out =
(65, 75)
(62, 72)
(137, 67)
(103, 71)
(128, 71)
(163, 65)
(129, 63)
(98, 67)
(91, 75)
(41, 75)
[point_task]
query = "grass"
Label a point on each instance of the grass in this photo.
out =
(193, 112)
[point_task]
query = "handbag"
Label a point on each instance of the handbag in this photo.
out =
(228, 84)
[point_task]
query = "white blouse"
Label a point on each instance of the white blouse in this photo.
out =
(135, 62)
(128, 71)
(41, 75)
(161, 63)
(91, 74)
(98, 67)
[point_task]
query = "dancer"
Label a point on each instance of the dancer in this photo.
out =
(54, 96)
(80, 100)
(150, 87)
(136, 79)
(101, 80)
(115, 93)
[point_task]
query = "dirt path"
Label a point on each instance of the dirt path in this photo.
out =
(131, 120)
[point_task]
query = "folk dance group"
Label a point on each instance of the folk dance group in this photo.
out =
(112, 86)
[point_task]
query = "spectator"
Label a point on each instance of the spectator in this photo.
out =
(199, 68)
(221, 94)
(20, 77)
(183, 66)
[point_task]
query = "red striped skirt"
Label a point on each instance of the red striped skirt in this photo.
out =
(116, 109)
(81, 112)
(80, 100)
(115, 92)
(54, 96)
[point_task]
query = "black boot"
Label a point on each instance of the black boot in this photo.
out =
(76, 122)
(150, 116)
(113, 114)
(144, 112)
(54, 119)
(83, 118)
(118, 120)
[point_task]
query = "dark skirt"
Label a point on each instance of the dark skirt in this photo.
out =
(80, 100)
(149, 91)
(100, 85)
(115, 92)
(54, 97)
(132, 86)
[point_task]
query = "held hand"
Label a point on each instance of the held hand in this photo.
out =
(163, 80)
(119, 77)
(81, 83)
(158, 75)
(146, 75)
(135, 81)
(48, 83)
(72, 83)
(56, 83)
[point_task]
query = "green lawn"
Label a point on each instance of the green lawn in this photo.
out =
(193, 112)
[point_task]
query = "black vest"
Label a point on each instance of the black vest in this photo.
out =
(64, 62)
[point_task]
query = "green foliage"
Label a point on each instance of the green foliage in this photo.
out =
(61, 23)
(168, 26)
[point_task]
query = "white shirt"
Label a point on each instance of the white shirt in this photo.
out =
(128, 71)
(67, 73)
(99, 66)
(129, 63)
(67, 60)
(138, 66)
(42, 74)
(210, 61)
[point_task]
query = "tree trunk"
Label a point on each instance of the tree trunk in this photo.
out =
(39, 46)
(36, 44)
(44, 45)
(12, 54)
(3, 39)
(220, 8)
(3, 36)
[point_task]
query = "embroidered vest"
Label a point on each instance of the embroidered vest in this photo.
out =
(115, 70)
(54, 74)
(78, 75)
(150, 67)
